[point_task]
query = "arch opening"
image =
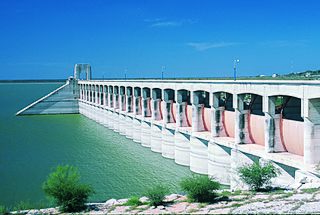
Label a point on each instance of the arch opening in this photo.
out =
(146, 102)
(184, 112)
(289, 126)
(202, 109)
(225, 114)
(225, 100)
(254, 121)
(137, 101)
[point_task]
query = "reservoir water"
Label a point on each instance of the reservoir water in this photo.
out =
(31, 146)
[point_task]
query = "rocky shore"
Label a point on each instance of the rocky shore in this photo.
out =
(304, 201)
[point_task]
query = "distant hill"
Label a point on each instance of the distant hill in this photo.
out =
(309, 74)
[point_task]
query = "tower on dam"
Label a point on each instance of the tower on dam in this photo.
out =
(82, 68)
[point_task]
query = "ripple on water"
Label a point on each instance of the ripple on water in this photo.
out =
(31, 146)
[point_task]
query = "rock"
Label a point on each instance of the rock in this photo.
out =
(20, 212)
(308, 208)
(260, 196)
(120, 210)
(143, 207)
(160, 207)
(300, 197)
(274, 197)
(317, 197)
(182, 198)
(172, 197)
(122, 201)
(220, 211)
(265, 208)
(144, 199)
(43, 211)
(202, 211)
(179, 207)
(193, 207)
(33, 212)
(239, 197)
(152, 211)
(111, 202)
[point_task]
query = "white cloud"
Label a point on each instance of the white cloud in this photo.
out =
(166, 24)
(154, 20)
(202, 46)
(163, 22)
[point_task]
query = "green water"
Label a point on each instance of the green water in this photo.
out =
(30, 146)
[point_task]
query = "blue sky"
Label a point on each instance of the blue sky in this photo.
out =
(43, 39)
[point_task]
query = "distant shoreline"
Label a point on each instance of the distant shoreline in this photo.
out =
(34, 81)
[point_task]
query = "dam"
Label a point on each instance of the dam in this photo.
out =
(212, 126)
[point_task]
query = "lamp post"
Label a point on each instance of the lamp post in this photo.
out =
(125, 74)
(163, 68)
(235, 69)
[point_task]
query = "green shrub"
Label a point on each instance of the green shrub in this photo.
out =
(310, 190)
(257, 176)
(133, 201)
(23, 205)
(200, 188)
(227, 193)
(4, 210)
(64, 186)
(156, 194)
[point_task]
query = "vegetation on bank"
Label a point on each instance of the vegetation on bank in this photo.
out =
(64, 187)
(156, 194)
(133, 201)
(200, 188)
(258, 177)
(23, 205)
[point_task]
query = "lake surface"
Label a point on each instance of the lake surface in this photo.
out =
(31, 146)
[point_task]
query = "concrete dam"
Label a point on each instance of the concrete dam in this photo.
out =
(214, 127)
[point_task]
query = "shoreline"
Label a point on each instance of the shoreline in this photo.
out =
(300, 201)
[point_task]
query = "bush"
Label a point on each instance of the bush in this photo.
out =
(4, 210)
(23, 205)
(156, 194)
(200, 188)
(258, 177)
(64, 186)
(133, 201)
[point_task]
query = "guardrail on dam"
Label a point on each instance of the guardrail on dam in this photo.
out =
(212, 126)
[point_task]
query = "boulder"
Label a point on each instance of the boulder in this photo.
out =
(172, 197)
(111, 202)
(144, 199)
(122, 201)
